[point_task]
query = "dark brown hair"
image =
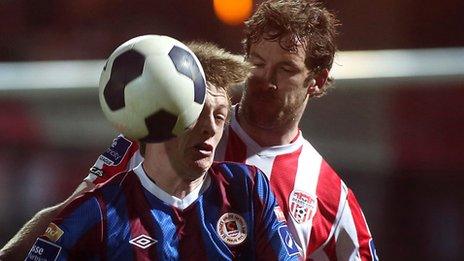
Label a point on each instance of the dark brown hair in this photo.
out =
(293, 22)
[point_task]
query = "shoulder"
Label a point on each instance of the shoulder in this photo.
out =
(94, 202)
(329, 185)
(87, 203)
(243, 184)
(110, 190)
(117, 182)
(234, 170)
(330, 190)
(238, 176)
(331, 195)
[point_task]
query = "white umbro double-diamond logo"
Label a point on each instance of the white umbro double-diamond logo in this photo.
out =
(143, 241)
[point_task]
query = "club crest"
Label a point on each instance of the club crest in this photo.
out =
(232, 229)
(302, 206)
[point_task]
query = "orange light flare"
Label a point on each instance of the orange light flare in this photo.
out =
(232, 12)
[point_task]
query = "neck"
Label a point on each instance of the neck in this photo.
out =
(160, 169)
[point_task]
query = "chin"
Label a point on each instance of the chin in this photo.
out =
(258, 109)
(198, 168)
(192, 176)
(265, 120)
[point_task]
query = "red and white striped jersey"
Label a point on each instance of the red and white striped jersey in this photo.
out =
(322, 213)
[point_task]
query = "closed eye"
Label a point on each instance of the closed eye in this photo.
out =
(257, 64)
(288, 68)
(256, 60)
(220, 117)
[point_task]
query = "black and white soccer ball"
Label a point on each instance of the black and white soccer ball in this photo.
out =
(152, 88)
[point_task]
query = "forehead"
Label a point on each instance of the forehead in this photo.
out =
(216, 97)
(272, 50)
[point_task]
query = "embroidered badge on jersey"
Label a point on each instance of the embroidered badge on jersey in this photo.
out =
(143, 241)
(302, 206)
(114, 154)
(53, 232)
(96, 171)
(290, 244)
(43, 250)
(232, 229)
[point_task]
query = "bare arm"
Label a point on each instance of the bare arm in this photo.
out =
(18, 246)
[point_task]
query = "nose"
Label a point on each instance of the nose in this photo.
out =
(207, 124)
(268, 76)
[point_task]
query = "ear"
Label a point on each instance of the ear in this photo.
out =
(316, 84)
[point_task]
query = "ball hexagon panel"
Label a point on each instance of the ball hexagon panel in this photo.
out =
(186, 65)
(160, 125)
(126, 67)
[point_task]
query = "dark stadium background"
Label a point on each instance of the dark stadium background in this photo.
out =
(398, 145)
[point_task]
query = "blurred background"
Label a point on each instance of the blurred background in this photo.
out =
(392, 126)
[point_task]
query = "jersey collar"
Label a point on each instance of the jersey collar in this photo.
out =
(176, 202)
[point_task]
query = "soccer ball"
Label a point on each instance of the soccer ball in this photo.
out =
(152, 88)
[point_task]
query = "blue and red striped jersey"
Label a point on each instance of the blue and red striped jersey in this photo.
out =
(233, 215)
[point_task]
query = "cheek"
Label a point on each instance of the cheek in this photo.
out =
(294, 84)
(218, 135)
(293, 81)
(255, 83)
(295, 92)
(180, 145)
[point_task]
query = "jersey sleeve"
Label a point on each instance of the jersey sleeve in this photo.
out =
(353, 240)
(273, 239)
(122, 156)
(76, 233)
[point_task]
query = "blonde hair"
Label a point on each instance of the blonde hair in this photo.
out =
(222, 68)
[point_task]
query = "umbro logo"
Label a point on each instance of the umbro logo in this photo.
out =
(143, 241)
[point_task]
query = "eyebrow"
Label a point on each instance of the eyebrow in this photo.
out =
(255, 54)
(221, 108)
(288, 63)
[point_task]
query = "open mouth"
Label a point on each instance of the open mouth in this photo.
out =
(204, 148)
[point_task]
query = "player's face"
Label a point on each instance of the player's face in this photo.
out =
(276, 91)
(193, 152)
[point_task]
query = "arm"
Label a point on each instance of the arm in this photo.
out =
(352, 236)
(121, 156)
(273, 239)
(18, 246)
(72, 233)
